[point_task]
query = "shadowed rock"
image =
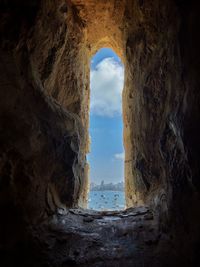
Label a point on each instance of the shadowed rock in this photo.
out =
(45, 50)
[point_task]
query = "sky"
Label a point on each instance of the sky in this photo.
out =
(106, 127)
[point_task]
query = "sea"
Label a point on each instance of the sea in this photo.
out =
(106, 200)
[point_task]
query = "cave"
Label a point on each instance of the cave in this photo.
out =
(45, 51)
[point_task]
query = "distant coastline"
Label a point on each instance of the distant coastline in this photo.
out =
(105, 187)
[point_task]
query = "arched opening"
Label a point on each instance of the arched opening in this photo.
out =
(106, 157)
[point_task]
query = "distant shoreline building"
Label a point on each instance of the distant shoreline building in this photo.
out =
(110, 186)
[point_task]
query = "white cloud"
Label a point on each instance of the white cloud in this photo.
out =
(106, 82)
(120, 156)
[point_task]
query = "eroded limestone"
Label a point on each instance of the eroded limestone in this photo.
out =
(46, 48)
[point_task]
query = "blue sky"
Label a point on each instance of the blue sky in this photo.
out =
(106, 128)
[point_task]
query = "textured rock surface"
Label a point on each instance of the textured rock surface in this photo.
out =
(45, 50)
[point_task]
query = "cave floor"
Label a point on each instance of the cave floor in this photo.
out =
(91, 238)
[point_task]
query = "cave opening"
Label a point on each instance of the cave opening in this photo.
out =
(106, 157)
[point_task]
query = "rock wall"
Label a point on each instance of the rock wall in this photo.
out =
(45, 51)
(160, 103)
(42, 139)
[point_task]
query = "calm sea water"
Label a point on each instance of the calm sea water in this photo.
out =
(106, 200)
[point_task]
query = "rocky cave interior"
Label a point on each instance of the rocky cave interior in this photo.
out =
(46, 48)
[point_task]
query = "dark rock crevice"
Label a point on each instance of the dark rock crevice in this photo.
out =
(45, 49)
